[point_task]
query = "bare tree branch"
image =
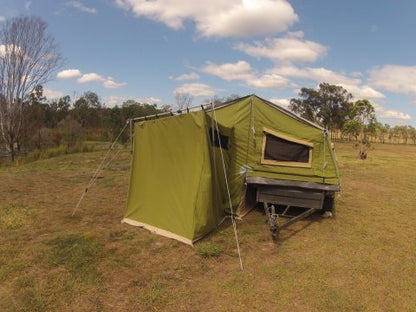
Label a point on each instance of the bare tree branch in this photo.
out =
(28, 57)
(183, 100)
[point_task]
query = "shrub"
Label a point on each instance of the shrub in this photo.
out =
(60, 150)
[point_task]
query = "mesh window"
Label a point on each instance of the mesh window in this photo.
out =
(278, 149)
(219, 140)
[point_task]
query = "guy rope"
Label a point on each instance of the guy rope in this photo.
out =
(228, 191)
(99, 168)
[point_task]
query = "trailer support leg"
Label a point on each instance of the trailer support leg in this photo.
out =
(272, 219)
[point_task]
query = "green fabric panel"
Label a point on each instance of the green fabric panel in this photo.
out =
(266, 116)
(177, 181)
(220, 158)
(171, 182)
(209, 211)
(237, 117)
(248, 118)
(332, 166)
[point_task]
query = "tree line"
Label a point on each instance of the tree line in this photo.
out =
(29, 57)
(65, 121)
(61, 122)
(333, 107)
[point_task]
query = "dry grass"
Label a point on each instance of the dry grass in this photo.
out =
(364, 259)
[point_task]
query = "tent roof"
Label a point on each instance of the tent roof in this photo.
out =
(208, 106)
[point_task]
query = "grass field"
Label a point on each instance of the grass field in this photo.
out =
(363, 259)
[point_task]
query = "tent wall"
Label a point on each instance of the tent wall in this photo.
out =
(237, 117)
(267, 117)
(221, 141)
(171, 183)
(248, 118)
(177, 184)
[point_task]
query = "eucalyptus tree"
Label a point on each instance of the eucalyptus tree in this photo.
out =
(329, 105)
(412, 133)
(87, 110)
(362, 123)
(382, 131)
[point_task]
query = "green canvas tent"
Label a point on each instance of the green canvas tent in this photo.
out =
(190, 170)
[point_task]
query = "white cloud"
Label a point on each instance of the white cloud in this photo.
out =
(351, 83)
(114, 100)
(279, 77)
(52, 94)
(149, 100)
(80, 6)
(230, 71)
(268, 81)
(363, 92)
(281, 102)
(390, 114)
(111, 84)
(318, 74)
(292, 48)
(2, 19)
(107, 82)
(244, 72)
(248, 18)
(195, 89)
(69, 73)
(395, 78)
(218, 18)
(90, 77)
(190, 76)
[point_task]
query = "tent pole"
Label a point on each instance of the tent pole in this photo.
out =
(131, 136)
(216, 184)
(325, 135)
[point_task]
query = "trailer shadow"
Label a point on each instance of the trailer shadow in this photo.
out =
(289, 232)
(255, 222)
(293, 229)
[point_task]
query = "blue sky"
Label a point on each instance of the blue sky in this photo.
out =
(151, 50)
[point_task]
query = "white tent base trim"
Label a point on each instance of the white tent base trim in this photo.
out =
(158, 231)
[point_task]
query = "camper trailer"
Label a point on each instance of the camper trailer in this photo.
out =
(193, 168)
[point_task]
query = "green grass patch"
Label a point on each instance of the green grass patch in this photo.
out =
(77, 253)
(13, 216)
(239, 285)
(155, 293)
(120, 236)
(60, 150)
(207, 250)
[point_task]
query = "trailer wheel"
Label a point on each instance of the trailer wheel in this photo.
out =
(328, 208)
